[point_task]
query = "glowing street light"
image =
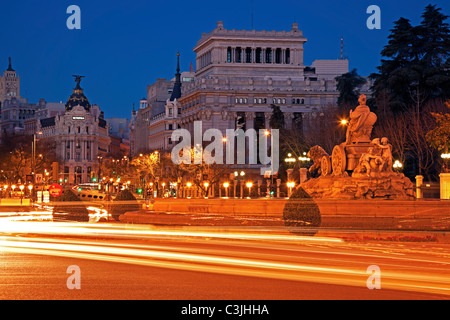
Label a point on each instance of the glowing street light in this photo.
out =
(290, 185)
(344, 122)
(189, 185)
(226, 185)
(290, 159)
(397, 165)
(249, 186)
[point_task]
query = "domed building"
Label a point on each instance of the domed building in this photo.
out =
(80, 136)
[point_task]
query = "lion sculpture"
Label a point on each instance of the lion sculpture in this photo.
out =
(317, 154)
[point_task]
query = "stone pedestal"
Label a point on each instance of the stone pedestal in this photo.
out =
(392, 186)
(303, 175)
(419, 183)
(445, 186)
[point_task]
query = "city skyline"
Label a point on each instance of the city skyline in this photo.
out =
(121, 49)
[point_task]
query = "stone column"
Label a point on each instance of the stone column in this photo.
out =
(303, 175)
(249, 120)
(445, 186)
(419, 182)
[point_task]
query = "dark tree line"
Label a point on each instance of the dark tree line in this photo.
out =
(410, 87)
(415, 65)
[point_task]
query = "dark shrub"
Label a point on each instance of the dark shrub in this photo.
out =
(301, 214)
(69, 207)
(124, 202)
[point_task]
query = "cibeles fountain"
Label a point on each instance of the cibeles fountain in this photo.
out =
(360, 167)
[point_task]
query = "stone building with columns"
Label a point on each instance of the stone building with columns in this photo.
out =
(240, 73)
(80, 135)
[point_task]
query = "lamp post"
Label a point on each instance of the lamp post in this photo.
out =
(33, 152)
(189, 185)
(206, 184)
(241, 177)
(446, 157)
(249, 186)
(21, 192)
(290, 186)
(226, 185)
(30, 187)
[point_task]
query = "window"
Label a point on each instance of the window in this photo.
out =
(288, 56)
(238, 55)
(248, 55)
(258, 57)
(229, 54)
(170, 111)
(87, 130)
(170, 127)
(268, 55)
(278, 55)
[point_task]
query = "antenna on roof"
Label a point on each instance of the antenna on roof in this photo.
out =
(252, 13)
(342, 47)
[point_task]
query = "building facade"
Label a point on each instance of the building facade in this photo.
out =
(80, 136)
(240, 74)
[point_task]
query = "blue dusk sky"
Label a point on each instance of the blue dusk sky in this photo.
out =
(125, 45)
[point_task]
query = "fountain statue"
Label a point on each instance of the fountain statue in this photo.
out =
(359, 167)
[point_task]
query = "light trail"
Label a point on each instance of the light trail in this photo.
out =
(268, 265)
(77, 229)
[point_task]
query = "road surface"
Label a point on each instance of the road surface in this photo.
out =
(212, 263)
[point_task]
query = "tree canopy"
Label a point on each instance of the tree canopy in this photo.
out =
(415, 65)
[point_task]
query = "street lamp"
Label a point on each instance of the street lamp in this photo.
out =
(30, 187)
(290, 186)
(249, 186)
(226, 185)
(290, 159)
(206, 184)
(189, 185)
(33, 149)
(446, 157)
(397, 165)
(21, 192)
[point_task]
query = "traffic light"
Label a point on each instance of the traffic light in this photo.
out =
(55, 170)
(139, 190)
(272, 191)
